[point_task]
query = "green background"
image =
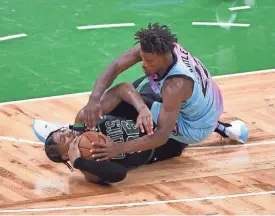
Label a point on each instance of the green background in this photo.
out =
(56, 58)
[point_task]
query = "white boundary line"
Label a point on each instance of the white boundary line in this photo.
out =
(105, 26)
(44, 98)
(136, 204)
(232, 146)
(12, 37)
(85, 93)
(220, 24)
(239, 8)
(243, 74)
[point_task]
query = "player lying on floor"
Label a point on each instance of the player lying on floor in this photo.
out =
(123, 123)
(62, 145)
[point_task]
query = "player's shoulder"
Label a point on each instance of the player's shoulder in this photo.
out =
(176, 82)
(178, 87)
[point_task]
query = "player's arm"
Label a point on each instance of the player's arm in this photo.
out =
(92, 111)
(90, 177)
(95, 171)
(175, 90)
(98, 171)
(122, 63)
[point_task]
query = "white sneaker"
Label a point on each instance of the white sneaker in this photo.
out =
(238, 131)
(42, 129)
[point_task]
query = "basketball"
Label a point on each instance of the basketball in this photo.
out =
(85, 144)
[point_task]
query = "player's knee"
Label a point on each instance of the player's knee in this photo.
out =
(124, 85)
(180, 150)
(79, 119)
(117, 177)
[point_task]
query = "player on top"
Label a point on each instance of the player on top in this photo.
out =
(191, 101)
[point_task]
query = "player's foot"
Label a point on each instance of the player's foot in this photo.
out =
(42, 129)
(237, 131)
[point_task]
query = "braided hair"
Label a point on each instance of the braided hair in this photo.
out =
(156, 39)
(52, 151)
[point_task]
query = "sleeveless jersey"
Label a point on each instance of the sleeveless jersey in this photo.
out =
(122, 130)
(204, 107)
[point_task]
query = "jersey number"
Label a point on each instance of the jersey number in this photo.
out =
(201, 71)
(130, 129)
(203, 75)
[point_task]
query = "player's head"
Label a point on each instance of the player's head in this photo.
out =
(157, 43)
(57, 145)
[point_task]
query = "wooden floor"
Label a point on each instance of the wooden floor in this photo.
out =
(214, 177)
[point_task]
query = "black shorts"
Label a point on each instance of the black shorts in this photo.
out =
(127, 111)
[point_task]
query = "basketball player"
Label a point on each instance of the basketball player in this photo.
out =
(190, 99)
(62, 145)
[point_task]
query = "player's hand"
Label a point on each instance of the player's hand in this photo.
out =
(92, 113)
(145, 120)
(74, 152)
(102, 152)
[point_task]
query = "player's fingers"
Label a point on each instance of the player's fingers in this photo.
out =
(101, 114)
(137, 124)
(95, 151)
(102, 159)
(150, 124)
(78, 138)
(86, 116)
(72, 144)
(99, 155)
(141, 128)
(145, 125)
(98, 145)
(91, 121)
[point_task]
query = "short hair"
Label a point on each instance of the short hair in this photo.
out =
(52, 151)
(156, 39)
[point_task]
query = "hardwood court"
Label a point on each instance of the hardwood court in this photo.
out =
(214, 177)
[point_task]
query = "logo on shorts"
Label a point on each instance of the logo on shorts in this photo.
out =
(175, 132)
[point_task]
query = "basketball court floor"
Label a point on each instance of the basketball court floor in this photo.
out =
(47, 74)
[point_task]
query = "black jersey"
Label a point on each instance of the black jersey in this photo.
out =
(119, 130)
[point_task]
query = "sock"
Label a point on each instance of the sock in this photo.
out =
(221, 128)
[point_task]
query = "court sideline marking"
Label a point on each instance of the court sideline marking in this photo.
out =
(137, 203)
(86, 93)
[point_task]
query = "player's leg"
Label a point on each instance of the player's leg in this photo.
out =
(172, 148)
(236, 130)
(184, 133)
(123, 109)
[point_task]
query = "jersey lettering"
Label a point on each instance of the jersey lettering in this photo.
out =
(200, 69)
(121, 131)
(114, 130)
(203, 75)
(130, 127)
